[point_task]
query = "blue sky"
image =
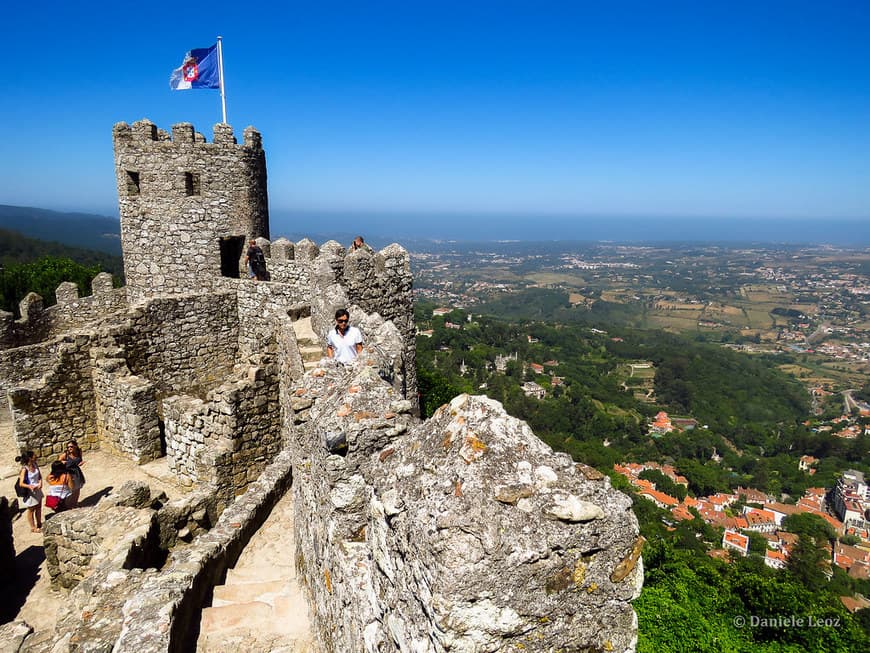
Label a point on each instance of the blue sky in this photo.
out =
(731, 109)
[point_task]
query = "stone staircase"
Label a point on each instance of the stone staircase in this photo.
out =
(310, 345)
(261, 608)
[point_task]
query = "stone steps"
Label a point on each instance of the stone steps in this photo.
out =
(260, 608)
(310, 346)
(262, 573)
(304, 330)
(241, 592)
(311, 354)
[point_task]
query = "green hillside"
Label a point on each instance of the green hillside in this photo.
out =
(83, 230)
(28, 264)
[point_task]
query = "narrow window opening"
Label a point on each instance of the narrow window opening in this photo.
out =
(132, 182)
(191, 184)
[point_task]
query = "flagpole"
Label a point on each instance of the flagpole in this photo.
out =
(221, 73)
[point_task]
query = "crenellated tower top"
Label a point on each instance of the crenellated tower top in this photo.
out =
(187, 206)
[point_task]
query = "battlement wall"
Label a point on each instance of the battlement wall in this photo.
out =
(463, 532)
(39, 323)
(187, 206)
(259, 306)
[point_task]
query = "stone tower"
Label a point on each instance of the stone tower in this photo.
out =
(187, 206)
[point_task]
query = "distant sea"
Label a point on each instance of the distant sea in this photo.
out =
(736, 231)
(101, 232)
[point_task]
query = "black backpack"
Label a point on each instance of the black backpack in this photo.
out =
(20, 490)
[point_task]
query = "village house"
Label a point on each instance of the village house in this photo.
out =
(721, 501)
(853, 604)
(736, 542)
(661, 424)
(751, 495)
(532, 389)
(849, 495)
(661, 499)
(807, 464)
(502, 361)
(846, 557)
(761, 521)
(775, 559)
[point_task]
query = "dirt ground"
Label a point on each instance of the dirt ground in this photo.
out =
(30, 596)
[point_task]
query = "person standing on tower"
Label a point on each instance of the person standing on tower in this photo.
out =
(344, 343)
(256, 262)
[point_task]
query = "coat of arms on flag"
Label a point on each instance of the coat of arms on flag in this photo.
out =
(189, 71)
(199, 70)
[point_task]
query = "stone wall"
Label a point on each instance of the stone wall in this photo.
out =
(126, 408)
(177, 344)
(382, 283)
(71, 312)
(227, 439)
(29, 363)
(289, 272)
(128, 529)
(181, 199)
(59, 404)
(367, 283)
(75, 539)
(465, 532)
(485, 539)
(182, 344)
(259, 304)
(34, 325)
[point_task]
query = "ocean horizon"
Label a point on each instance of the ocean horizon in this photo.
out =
(842, 232)
(380, 228)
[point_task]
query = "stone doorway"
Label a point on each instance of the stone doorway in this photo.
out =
(231, 252)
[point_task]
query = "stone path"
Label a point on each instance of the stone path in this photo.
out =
(261, 608)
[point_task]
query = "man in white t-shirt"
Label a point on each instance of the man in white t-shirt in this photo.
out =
(344, 342)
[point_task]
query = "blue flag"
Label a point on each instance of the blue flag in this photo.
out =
(199, 70)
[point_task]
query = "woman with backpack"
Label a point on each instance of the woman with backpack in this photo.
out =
(31, 479)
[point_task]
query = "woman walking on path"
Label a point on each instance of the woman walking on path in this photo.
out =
(31, 478)
(72, 460)
(60, 487)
